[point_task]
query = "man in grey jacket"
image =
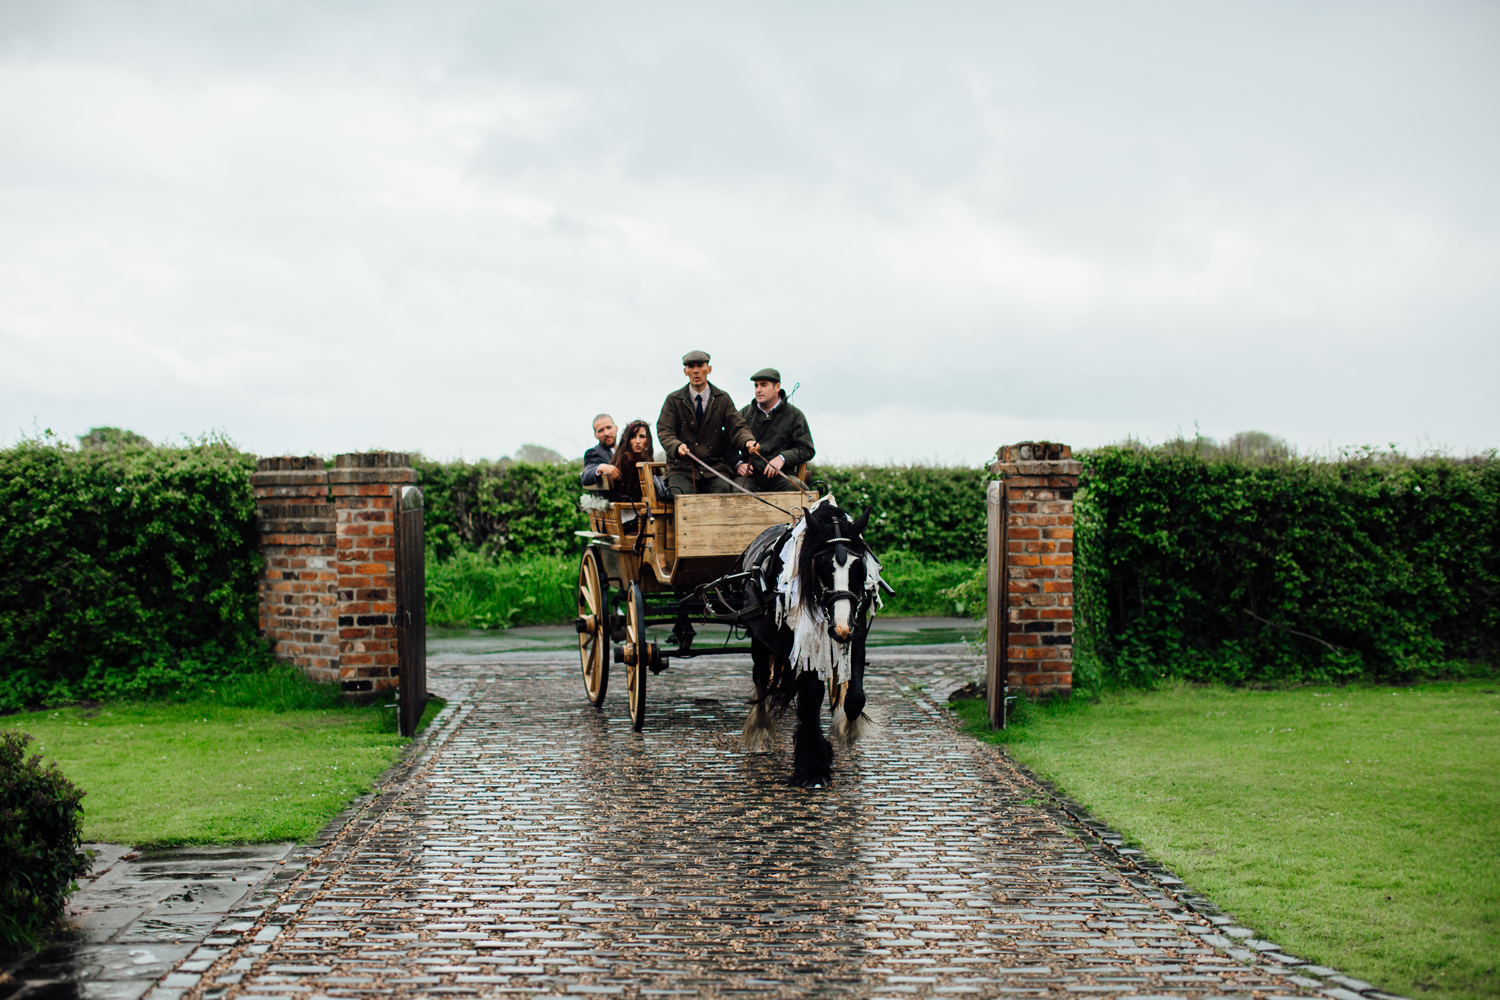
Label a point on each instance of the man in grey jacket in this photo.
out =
(597, 472)
(781, 430)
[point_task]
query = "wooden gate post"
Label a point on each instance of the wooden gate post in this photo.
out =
(996, 675)
(1040, 477)
(411, 608)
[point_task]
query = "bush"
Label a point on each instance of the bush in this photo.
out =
(1285, 570)
(41, 819)
(124, 570)
(519, 508)
(936, 513)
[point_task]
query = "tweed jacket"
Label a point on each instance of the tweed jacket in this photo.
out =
(717, 440)
(783, 431)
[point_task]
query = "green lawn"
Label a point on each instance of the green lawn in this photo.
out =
(214, 770)
(1358, 827)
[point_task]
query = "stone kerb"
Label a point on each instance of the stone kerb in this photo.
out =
(1040, 479)
(364, 488)
(295, 522)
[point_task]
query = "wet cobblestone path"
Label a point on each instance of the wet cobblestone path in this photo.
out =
(542, 847)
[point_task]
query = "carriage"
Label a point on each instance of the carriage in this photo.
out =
(665, 560)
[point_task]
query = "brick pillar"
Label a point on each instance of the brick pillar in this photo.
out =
(297, 588)
(1040, 478)
(364, 488)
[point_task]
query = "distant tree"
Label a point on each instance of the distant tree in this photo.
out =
(111, 437)
(1258, 445)
(538, 455)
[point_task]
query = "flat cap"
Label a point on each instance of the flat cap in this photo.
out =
(695, 358)
(766, 375)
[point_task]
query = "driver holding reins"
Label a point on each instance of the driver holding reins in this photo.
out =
(700, 419)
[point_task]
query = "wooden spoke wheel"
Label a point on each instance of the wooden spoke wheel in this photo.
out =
(593, 626)
(637, 653)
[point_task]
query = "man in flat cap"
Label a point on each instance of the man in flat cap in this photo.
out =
(780, 429)
(700, 419)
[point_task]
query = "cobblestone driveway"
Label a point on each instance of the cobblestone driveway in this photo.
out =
(539, 846)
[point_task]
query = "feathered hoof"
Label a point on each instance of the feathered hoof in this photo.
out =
(812, 783)
(759, 733)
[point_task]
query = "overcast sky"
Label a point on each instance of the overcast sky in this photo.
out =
(461, 227)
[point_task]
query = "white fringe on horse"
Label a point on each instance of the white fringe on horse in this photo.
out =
(813, 648)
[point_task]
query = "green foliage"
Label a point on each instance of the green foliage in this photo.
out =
(933, 512)
(1223, 568)
(501, 507)
(124, 570)
(923, 587)
(470, 590)
(41, 818)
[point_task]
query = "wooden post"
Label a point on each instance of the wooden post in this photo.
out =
(996, 673)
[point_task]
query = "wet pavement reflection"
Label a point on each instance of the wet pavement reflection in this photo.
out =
(537, 846)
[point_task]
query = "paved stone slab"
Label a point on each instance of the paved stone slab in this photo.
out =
(542, 847)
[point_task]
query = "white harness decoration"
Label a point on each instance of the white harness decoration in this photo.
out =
(812, 647)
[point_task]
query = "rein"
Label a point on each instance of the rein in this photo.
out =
(737, 486)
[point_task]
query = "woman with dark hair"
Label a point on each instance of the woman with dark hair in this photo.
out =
(635, 447)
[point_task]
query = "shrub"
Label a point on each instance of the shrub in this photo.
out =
(511, 507)
(124, 570)
(1229, 569)
(933, 512)
(41, 819)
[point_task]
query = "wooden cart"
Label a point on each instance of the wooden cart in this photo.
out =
(664, 560)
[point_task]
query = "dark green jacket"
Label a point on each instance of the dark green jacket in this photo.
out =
(781, 432)
(717, 440)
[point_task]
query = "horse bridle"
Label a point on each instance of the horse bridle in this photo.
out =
(828, 598)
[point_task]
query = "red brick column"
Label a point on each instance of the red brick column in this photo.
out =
(296, 526)
(364, 488)
(1040, 478)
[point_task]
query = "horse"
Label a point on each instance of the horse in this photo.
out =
(810, 592)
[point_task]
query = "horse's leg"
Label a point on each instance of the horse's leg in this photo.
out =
(760, 724)
(812, 764)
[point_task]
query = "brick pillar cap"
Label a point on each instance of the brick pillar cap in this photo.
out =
(372, 460)
(1036, 458)
(289, 463)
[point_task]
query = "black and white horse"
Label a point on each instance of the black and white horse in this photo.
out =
(809, 598)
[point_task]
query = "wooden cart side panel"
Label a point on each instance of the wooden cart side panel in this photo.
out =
(725, 525)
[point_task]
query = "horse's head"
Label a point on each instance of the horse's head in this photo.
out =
(832, 570)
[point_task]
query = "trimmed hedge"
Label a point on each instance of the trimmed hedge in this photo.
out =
(933, 512)
(124, 571)
(520, 508)
(41, 824)
(1232, 570)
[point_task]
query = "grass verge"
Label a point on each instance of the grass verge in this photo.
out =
(475, 591)
(253, 758)
(1358, 827)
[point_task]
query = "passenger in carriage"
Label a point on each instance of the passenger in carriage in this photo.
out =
(635, 448)
(781, 429)
(701, 420)
(597, 470)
